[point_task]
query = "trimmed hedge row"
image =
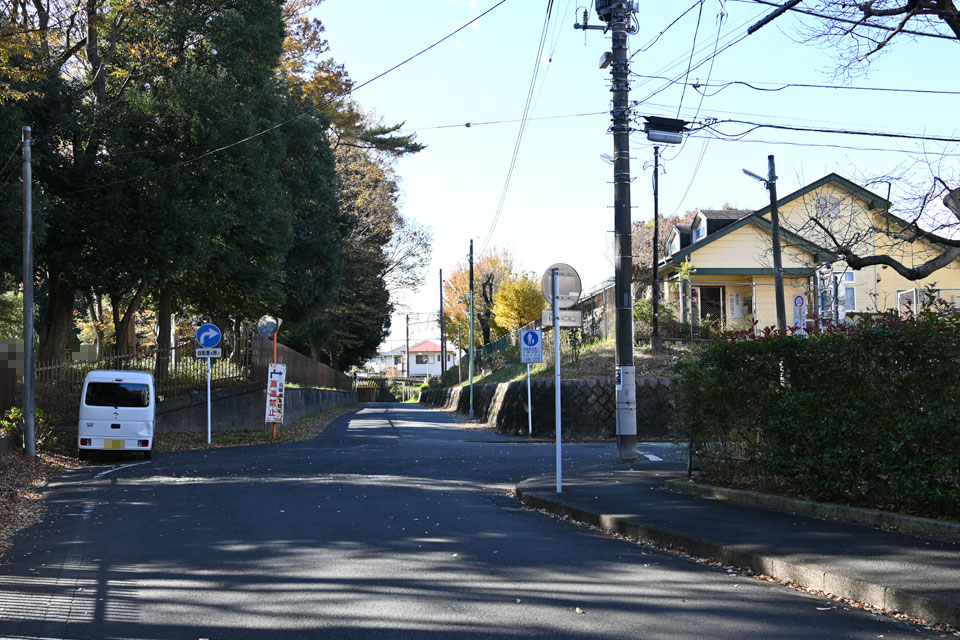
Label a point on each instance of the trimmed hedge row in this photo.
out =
(866, 415)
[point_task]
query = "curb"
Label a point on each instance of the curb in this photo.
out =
(915, 525)
(808, 575)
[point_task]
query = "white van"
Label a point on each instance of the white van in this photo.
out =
(117, 412)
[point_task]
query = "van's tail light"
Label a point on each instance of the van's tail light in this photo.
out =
(84, 442)
(143, 443)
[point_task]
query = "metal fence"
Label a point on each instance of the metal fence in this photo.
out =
(177, 372)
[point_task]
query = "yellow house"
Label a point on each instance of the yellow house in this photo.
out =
(730, 256)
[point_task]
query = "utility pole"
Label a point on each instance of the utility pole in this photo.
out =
(406, 357)
(443, 343)
(459, 357)
(471, 329)
(655, 337)
(770, 182)
(777, 261)
(617, 14)
(29, 431)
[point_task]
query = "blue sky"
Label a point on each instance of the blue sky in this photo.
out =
(559, 204)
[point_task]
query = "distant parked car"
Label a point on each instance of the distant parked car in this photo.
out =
(117, 412)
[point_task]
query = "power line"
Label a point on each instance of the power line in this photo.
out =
(701, 86)
(523, 125)
(647, 46)
(699, 64)
(693, 49)
(326, 103)
(668, 108)
(468, 125)
(877, 134)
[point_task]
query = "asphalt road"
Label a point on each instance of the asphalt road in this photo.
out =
(395, 523)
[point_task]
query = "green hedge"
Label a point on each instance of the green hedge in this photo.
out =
(866, 415)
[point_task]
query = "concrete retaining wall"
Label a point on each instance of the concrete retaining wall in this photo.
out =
(587, 406)
(242, 407)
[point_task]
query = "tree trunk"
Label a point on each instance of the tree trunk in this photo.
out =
(57, 324)
(164, 313)
(124, 325)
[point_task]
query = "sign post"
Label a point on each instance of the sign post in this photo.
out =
(531, 350)
(561, 286)
(556, 372)
(268, 327)
(208, 337)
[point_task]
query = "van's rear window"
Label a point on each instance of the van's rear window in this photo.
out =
(117, 394)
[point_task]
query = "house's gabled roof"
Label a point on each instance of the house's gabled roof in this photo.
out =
(427, 346)
(820, 254)
(717, 219)
(597, 288)
(393, 352)
(874, 201)
(724, 214)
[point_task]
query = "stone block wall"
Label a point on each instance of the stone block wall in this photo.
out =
(587, 407)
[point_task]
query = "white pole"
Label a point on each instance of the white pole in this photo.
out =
(529, 406)
(208, 400)
(556, 372)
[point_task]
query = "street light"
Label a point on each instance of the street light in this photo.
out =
(770, 182)
(664, 131)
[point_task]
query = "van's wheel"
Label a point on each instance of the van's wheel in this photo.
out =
(83, 454)
(147, 455)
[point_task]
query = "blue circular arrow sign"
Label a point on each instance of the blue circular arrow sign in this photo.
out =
(208, 336)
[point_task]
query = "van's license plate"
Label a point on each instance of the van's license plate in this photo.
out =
(114, 444)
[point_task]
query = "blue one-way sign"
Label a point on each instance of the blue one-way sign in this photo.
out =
(208, 336)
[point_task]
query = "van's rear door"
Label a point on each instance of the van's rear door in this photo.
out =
(116, 414)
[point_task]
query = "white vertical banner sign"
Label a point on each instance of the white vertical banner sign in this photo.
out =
(276, 378)
(556, 373)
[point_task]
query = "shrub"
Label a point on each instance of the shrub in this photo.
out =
(861, 414)
(45, 430)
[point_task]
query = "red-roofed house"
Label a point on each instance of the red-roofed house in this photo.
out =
(425, 359)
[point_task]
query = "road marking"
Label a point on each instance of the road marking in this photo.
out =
(126, 466)
(651, 457)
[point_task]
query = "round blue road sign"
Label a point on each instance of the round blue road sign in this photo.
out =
(530, 338)
(208, 336)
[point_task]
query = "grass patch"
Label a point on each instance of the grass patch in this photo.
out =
(303, 429)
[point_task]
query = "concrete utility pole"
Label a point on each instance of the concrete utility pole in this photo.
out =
(777, 260)
(617, 14)
(443, 343)
(655, 337)
(471, 329)
(406, 357)
(29, 430)
(770, 182)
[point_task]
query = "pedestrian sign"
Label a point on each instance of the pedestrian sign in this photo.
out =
(531, 346)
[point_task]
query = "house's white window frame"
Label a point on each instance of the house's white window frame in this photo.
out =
(417, 356)
(674, 245)
(849, 298)
(828, 207)
(699, 229)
